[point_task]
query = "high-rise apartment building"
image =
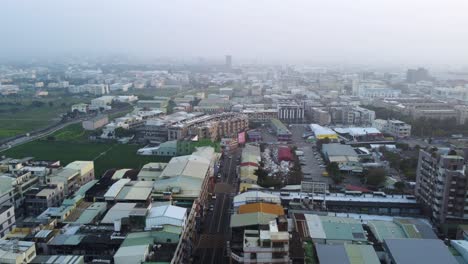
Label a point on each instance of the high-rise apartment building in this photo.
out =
(228, 62)
(416, 75)
(441, 185)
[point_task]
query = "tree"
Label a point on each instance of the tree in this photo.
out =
(375, 177)
(322, 141)
(37, 104)
(334, 172)
(399, 186)
(121, 132)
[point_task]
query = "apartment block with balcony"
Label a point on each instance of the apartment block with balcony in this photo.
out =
(441, 186)
(264, 246)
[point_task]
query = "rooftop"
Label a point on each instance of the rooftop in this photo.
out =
(261, 208)
(427, 251)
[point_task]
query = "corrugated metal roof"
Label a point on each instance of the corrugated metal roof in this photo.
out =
(331, 254)
(116, 188)
(166, 215)
(261, 207)
(314, 226)
(248, 219)
(361, 254)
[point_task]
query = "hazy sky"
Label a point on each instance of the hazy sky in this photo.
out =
(343, 31)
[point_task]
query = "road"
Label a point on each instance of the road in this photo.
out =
(212, 244)
(25, 139)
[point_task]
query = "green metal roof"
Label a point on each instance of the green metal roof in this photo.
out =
(344, 231)
(361, 254)
(248, 219)
(385, 230)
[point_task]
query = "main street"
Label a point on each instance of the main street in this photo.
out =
(212, 243)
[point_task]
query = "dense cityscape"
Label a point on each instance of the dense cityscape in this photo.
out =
(227, 163)
(210, 132)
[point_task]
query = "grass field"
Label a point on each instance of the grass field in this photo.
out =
(71, 144)
(19, 116)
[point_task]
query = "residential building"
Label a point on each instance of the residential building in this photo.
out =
(357, 116)
(95, 122)
(160, 104)
(15, 251)
(103, 102)
(212, 127)
(7, 219)
(320, 116)
(38, 199)
(263, 246)
(417, 75)
(187, 180)
(441, 186)
(290, 111)
(260, 115)
(393, 127)
(81, 108)
(72, 176)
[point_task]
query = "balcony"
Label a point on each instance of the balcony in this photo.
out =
(242, 259)
(266, 249)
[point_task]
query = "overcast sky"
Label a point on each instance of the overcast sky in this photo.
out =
(335, 31)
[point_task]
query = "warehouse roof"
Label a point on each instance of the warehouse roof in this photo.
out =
(195, 165)
(427, 251)
(119, 211)
(357, 131)
(385, 230)
(336, 149)
(346, 253)
(321, 132)
(166, 215)
(335, 228)
(116, 188)
(248, 172)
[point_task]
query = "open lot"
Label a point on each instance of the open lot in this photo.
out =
(19, 115)
(71, 144)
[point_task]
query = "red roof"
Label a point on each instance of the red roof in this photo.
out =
(284, 153)
(350, 187)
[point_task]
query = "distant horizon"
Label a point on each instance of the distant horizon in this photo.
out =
(364, 32)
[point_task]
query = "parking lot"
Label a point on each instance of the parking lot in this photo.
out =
(311, 160)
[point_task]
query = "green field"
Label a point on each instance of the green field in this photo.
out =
(19, 115)
(71, 144)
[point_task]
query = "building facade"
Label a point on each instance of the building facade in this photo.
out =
(441, 185)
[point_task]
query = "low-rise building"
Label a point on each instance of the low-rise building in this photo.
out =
(263, 246)
(395, 128)
(95, 122)
(280, 130)
(38, 199)
(81, 108)
(14, 251)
